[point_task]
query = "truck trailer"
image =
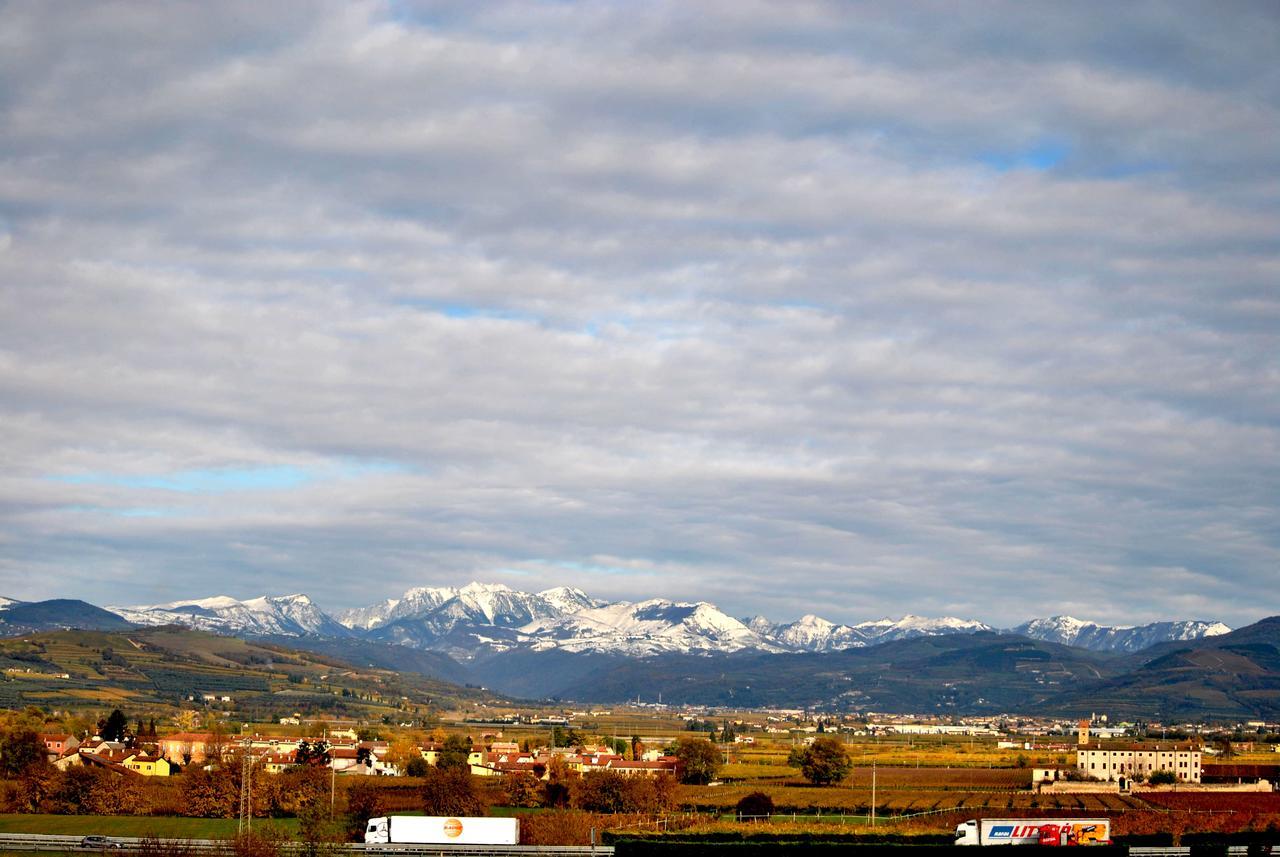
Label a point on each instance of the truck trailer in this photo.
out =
(441, 830)
(1034, 831)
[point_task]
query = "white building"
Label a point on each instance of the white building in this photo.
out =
(1139, 760)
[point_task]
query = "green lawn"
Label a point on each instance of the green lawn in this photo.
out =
(165, 827)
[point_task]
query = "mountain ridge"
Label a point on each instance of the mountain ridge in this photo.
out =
(481, 619)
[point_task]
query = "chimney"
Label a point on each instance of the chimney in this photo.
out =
(1084, 733)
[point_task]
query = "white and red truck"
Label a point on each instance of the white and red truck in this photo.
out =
(1034, 831)
(441, 830)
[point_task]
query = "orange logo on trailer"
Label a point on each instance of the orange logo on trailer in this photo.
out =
(453, 828)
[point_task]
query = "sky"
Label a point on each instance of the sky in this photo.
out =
(857, 309)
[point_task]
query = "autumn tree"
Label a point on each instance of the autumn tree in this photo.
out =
(292, 792)
(34, 788)
(556, 791)
(611, 791)
(825, 761)
(364, 801)
(454, 753)
(86, 790)
(522, 789)
(210, 794)
(602, 791)
(699, 760)
(20, 749)
(402, 752)
(450, 791)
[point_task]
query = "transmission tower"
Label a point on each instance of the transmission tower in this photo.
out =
(246, 788)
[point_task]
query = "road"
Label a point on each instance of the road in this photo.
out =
(41, 842)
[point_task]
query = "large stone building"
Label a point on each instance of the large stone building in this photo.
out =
(1115, 760)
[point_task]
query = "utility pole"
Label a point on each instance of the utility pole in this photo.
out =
(873, 792)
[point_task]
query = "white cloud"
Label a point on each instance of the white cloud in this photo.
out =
(645, 301)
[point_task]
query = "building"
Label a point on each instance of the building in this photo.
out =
(59, 744)
(186, 747)
(1136, 759)
(1139, 760)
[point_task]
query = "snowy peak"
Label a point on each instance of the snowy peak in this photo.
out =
(568, 600)
(1074, 632)
(812, 633)
(650, 627)
(287, 615)
(479, 618)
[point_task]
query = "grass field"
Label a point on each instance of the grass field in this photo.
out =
(124, 825)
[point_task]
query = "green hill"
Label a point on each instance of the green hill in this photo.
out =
(168, 667)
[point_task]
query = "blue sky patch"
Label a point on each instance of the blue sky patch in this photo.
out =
(200, 481)
(1042, 156)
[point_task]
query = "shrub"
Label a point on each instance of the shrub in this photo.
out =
(754, 806)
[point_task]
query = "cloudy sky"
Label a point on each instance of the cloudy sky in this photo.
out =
(858, 309)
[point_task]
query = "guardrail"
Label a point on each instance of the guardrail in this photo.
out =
(49, 842)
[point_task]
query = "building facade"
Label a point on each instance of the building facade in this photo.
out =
(1139, 760)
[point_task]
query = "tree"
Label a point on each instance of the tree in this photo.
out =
(522, 789)
(217, 747)
(364, 801)
(699, 760)
(210, 794)
(755, 806)
(34, 787)
(1162, 778)
(21, 749)
(825, 761)
(314, 755)
(726, 733)
(115, 727)
(186, 720)
(603, 791)
(297, 790)
(450, 791)
(402, 752)
(454, 753)
(88, 790)
(556, 790)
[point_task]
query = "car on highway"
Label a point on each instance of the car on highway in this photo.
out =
(94, 840)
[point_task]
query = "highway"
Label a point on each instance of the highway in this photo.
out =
(12, 842)
(41, 842)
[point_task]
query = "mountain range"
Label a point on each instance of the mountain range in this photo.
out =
(479, 620)
(562, 643)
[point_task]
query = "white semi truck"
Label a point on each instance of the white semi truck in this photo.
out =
(442, 830)
(1034, 831)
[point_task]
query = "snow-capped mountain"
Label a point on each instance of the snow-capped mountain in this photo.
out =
(7, 602)
(1076, 632)
(439, 609)
(885, 630)
(812, 633)
(645, 628)
(481, 619)
(288, 615)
